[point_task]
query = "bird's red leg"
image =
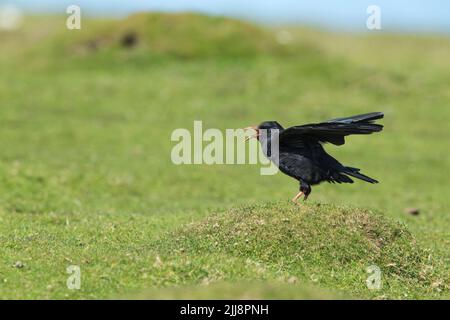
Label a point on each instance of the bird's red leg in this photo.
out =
(294, 199)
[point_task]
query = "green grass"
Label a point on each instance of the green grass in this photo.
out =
(86, 177)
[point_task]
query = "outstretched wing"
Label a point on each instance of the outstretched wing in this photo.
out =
(332, 131)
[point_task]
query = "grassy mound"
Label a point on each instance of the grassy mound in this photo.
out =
(328, 245)
(179, 35)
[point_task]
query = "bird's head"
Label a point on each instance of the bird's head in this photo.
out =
(266, 125)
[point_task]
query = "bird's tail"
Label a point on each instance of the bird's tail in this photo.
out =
(354, 172)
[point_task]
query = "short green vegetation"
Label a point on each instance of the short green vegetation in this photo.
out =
(86, 177)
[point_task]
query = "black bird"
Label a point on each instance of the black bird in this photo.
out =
(302, 156)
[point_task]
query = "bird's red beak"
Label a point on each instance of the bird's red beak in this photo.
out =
(254, 128)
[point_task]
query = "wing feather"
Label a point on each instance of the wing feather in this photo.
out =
(332, 131)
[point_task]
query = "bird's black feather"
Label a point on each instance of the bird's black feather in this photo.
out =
(332, 131)
(367, 117)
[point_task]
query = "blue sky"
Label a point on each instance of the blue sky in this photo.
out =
(396, 15)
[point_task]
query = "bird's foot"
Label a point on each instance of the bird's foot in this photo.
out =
(294, 199)
(296, 203)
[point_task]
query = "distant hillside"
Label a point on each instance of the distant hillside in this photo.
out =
(184, 35)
